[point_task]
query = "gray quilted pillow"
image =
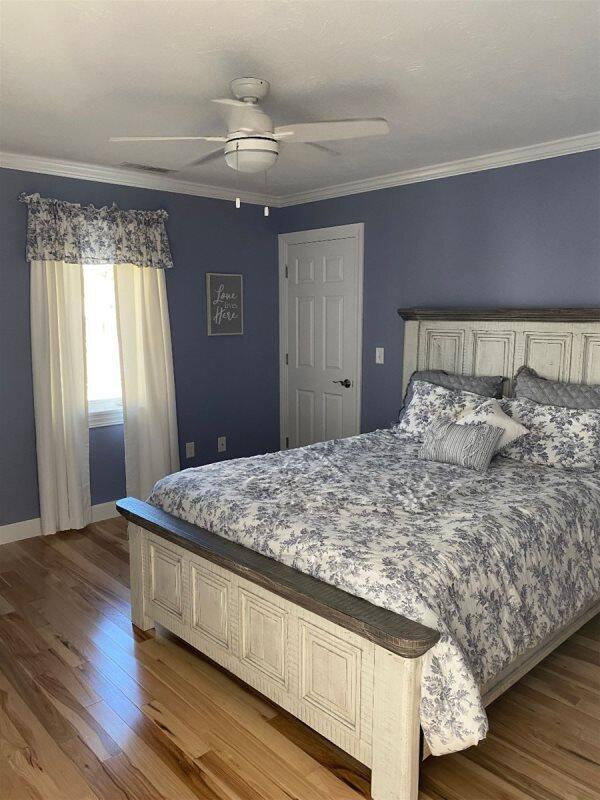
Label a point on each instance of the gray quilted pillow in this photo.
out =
(484, 385)
(470, 446)
(529, 385)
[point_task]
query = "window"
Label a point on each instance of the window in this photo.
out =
(105, 403)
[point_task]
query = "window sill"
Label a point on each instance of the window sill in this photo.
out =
(101, 419)
(102, 413)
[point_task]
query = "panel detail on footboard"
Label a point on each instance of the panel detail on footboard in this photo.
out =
(263, 636)
(210, 601)
(330, 674)
(320, 672)
(165, 580)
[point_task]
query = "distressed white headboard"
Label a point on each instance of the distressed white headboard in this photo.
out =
(562, 344)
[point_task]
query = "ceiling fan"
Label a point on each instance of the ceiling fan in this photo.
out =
(252, 142)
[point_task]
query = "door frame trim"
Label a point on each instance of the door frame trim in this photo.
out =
(353, 231)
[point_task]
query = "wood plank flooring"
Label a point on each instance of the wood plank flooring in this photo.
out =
(92, 710)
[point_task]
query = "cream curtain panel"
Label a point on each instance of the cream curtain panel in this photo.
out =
(61, 237)
(60, 396)
(149, 412)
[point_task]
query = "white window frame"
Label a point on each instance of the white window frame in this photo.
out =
(108, 411)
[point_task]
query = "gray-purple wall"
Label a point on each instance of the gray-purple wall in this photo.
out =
(517, 236)
(527, 235)
(224, 385)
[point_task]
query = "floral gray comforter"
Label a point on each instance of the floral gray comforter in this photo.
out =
(495, 562)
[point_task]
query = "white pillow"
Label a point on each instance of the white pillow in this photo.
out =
(490, 412)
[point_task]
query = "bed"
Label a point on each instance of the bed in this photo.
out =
(370, 593)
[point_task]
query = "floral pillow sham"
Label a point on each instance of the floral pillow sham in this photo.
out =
(430, 403)
(485, 385)
(558, 437)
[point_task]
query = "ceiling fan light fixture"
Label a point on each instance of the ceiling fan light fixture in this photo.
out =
(252, 161)
(251, 153)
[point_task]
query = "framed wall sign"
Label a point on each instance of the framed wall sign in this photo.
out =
(224, 304)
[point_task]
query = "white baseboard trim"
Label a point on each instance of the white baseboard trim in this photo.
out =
(29, 528)
(19, 530)
(104, 511)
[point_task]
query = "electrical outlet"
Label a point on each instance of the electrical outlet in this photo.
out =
(379, 355)
(190, 449)
(221, 444)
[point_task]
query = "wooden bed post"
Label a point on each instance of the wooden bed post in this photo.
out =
(396, 728)
(136, 571)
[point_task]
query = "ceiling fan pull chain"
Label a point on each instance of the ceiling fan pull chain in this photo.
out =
(266, 208)
(238, 202)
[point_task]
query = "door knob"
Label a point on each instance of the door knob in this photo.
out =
(346, 383)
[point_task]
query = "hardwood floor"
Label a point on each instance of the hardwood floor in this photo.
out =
(92, 710)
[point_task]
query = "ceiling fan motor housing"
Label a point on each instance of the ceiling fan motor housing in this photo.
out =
(250, 153)
(249, 89)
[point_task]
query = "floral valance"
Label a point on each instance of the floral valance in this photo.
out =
(60, 231)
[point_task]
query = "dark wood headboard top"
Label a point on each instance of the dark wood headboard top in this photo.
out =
(385, 628)
(485, 314)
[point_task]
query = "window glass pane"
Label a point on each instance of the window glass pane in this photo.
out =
(103, 370)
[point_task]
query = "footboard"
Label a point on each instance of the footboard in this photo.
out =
(348, 669)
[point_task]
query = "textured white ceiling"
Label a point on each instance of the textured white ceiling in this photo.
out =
(454, 79)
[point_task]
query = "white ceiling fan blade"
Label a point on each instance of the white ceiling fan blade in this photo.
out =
(228, 101)
(167, 139)
(212, 156)
(305, 153)
(330, 131)
(329, 151)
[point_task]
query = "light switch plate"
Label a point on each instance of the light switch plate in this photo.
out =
(221, 444)
(190, 449)
(379, 355)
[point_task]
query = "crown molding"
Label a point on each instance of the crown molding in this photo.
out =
(125, 177)
(502, 158)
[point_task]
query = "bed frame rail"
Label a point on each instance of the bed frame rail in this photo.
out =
(391, 631)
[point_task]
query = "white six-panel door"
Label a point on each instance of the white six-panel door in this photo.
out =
(321, 312)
